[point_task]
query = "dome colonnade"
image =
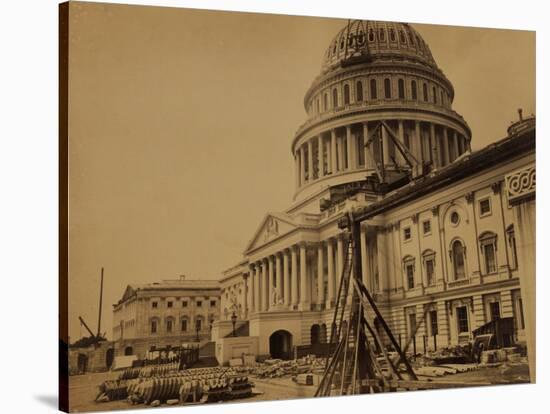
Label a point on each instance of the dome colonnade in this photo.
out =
(372, 72)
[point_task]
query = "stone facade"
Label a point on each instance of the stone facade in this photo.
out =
(381, 108)
(164, 313)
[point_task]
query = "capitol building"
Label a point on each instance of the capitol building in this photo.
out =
(445, 240)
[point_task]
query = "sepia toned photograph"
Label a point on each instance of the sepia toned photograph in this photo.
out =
(258, 207)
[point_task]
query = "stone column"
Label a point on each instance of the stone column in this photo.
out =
(246, 295)
(385, 146)
(339, 259)
(401, 137)
(333, 162)
(279, 267)
(364, 259)
(257, 305)
(297, 169)
(286, 277)
(418, 144)
(369, 157)
(340, 152)
(350, 146)
(303, 278)
(252, 289)
(433, 142)
(294, 277)
(310, 159)
(265, 286)
(446, 146)
(303, 164)
(455, 139)
(270, 275)
(331, 278)
(381, 258)
(320, 152)
(320, 276)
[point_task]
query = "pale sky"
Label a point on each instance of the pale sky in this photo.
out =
(180, 124)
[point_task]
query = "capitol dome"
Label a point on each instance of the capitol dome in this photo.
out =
(379, 104)
(363, 41)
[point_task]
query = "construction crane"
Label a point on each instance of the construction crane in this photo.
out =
(95, 338)
(359, 362)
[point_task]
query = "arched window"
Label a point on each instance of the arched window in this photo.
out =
(183, 324)
(325, 102)
(457, 256)
(488, 246)
(317, 105)
(154, 325)
(428, 261)
(434, 92)
(402, 38)
(425, 91)
(334, 98)
(371, 35)
(373, 92)
(392, 35)
(401, 88)
(381, 34)
(169, 325)
(414, 91)
(346, 94)
(359, 91)
(387, 88)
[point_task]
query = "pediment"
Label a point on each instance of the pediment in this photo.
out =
(273, 225)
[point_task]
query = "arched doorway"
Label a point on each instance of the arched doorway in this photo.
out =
(82, 363)
(109, 357)
(315, 334)
(128, 350)
(280, 344)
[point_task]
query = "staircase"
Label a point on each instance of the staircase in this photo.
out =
(242, 330)
(207, 356)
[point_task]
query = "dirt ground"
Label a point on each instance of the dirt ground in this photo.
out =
(83, 388)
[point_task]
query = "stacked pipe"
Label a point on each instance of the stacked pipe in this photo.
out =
(191, 386)
(148, 371)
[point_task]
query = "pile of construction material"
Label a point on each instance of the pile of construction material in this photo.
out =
(278, 368)
(199, 385)
(149, 371)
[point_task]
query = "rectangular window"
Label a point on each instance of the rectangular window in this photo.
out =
(198, 325)
(199, 303)
(484, 207)
(169, 304)
(184, 325)
(407, 233)
(430, 272)
(169, 326)
(427, 227)
(154, 327)
(433, 322)
(490, 261)
(212, 303)
(410, 276)
(154, 305)
(462, 319)
(412, 323)
(184, 304)
(494, 309)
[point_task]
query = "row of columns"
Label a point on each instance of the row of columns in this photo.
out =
(341, 152)
(294, 278)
